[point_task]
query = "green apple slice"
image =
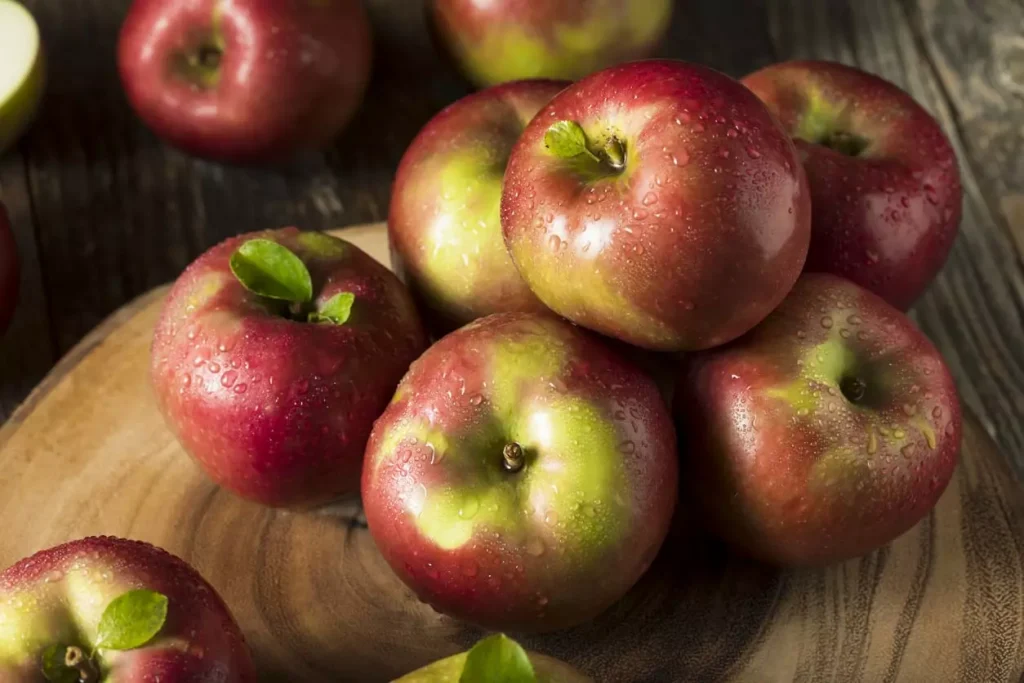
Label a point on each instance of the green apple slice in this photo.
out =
(21, 70)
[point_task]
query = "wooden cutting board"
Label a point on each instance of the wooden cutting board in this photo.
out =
(88, 454)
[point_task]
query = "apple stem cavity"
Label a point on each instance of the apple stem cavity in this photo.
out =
(615, 153)
(567, 140)
(74, 658)
(849, 144)
(208, 57)
(853, 388)
(513, 457)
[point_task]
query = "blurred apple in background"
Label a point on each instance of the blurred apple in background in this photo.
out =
(885, 186)
(108, 609)
(10, 270)
(274, 354)
(22, 76)
(494, 41)
(445, 224)
(657, 202)
(242, 80)
(524, 475)
(826, 432)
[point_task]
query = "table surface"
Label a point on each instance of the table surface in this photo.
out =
(103, 211)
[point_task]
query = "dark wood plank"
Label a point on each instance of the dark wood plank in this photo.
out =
(974, 310)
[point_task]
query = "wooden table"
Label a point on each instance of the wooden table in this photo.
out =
(103, 211)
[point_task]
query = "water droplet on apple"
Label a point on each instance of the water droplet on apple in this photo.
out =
(732, 133)
(826, 322)
(554, 242)
(639, 215)
(191, 333)
(551, 518)
(862, 335)
(724, 153)
(240, 388)
(627, 447)
(228, 378)
(937, 412)
(800, 334)
(753, 153)
(55, 575)
(899, 434)
(469, 508)
(214, 367)
(844, 333)
(650, 198)
(949, 429)
(476, 399)
(908, 451)
(535, 547)
(909, 409)
(872, 257)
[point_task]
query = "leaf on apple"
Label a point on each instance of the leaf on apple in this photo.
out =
(567, 140)
(337, 309)
(497, 659)
(269, 269)
(54, 669)
(131, 620)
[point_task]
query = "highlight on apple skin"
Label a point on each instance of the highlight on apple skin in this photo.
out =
(505, 40)
(245, 82)
(826, 432)
(55, 610)
(659, 203)
(885, 185)
(523, 477)
(444, 225)
(274, 354)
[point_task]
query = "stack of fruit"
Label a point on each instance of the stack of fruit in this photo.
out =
(523, 471)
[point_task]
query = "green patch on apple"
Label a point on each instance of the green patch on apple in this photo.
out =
(22, 70)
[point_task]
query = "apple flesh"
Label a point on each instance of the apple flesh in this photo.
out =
(22, 71)
(825, 433)
(57, 597)
(245, 81)
(884, 181)
(505, 40)
(659, 203)
(274, 408)
(9, 270)
(444, 227)
(523, 477)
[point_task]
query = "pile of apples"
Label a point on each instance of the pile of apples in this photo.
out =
(654, 286)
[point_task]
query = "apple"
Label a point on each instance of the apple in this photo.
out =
(884, 181)
(9, 270)
(506, 40)
(22, 70)
(524, 475)
(274, 354)
(826, 432)
(444, 227)
(496, 658)
(657, 202)
(109, 609)
(245, 81)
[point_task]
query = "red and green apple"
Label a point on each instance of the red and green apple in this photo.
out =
(22, 71)
(884, 180)
(826, 432)
(524, 475)
(245, 81)
(444, 226)
(505, 40)
(657, 202)
(274, 354)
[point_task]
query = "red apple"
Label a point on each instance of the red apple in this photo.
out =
(9, 270)
(505, 40)
(245, 80)
(274, 391)
(828, 431)
(884, 181)
(115, 610)
(523, 477)
(445, 224)
(657, 202)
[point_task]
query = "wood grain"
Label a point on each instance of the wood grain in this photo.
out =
(89, 454)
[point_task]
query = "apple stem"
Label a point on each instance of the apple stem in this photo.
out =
(615, 153)
(74, 658)
(514, 458)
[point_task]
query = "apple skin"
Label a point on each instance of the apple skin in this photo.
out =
(10, 270)
(275, 410)
(449, 670)
(444, 227)
(19, 110)
(559, 541)
(58, 595)
(693, 242)
(506, 40)
(289, 76)
(783, 463)
(886, 218)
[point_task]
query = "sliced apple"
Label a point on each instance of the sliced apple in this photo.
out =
(21, 70)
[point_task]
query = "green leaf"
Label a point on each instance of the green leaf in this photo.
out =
(337, 309)
(272, 270)
(131, 620)
(54, 669)
(497, 659)
(567, 140)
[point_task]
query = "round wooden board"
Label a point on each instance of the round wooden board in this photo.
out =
(89, 454)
